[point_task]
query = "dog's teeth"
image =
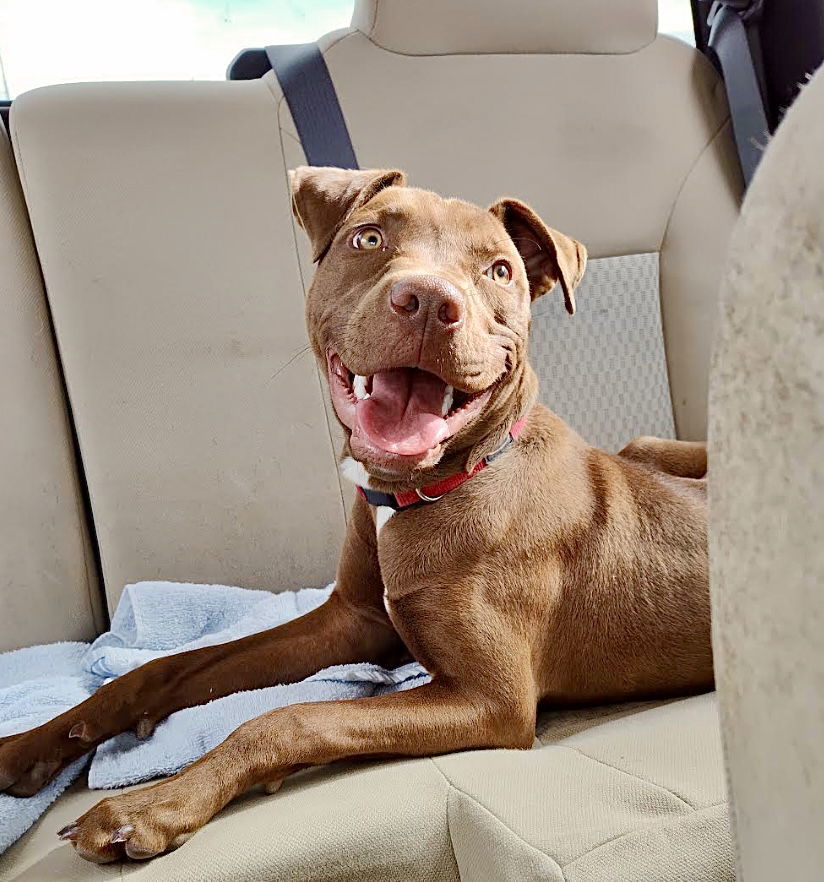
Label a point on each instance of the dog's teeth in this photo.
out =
(446, 404)
(359, 388)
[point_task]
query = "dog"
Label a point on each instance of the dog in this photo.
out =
(519, 565)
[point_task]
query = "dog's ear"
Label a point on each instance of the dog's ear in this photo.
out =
(322, 198)
(549, 256)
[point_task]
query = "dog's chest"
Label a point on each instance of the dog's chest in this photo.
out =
(423, 548)
(425, 545)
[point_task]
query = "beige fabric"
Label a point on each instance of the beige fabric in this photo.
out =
(169, 258)
(48, 585)
(628, 153)
(630, 798)
(638, 798)
(767, 506)
(443, 27)
(605, 371)
(328, 824)
(162, 217)
(693, 253)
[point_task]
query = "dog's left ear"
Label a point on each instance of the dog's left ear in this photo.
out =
(549, 256)
(322, 198)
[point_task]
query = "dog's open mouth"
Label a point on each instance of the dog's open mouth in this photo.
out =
(401, 411)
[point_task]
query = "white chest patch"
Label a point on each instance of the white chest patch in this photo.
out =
(382, 515)
(354, 471)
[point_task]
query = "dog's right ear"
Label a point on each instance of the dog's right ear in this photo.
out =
(322, 198)
(549, 256)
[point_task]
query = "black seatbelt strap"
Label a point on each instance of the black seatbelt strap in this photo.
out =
(313, 102)
(729, 42)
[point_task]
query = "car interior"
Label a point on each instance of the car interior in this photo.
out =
(164, 417)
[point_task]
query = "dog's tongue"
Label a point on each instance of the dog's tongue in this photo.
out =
(403, 413)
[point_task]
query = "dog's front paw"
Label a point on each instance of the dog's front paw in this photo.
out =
(30, 760)
(140, 824)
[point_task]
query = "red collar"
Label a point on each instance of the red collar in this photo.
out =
(433, 492)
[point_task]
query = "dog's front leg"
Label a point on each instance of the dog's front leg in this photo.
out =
(435, 718)
(351, 626)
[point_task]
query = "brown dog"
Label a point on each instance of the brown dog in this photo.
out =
(548, 571)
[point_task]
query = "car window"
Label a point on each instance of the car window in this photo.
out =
(61, 41)
(675, 18)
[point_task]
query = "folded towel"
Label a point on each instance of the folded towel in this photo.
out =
(155, 619)
(30, 694)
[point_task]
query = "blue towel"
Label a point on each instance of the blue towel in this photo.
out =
(155, 619)
(31, 692)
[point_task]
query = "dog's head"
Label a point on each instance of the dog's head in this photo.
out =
(420, 312)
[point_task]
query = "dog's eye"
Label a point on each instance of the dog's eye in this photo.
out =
(500, 272)
(367, 239)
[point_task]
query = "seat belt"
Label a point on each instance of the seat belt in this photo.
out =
(729, 21)
(313, 102)
(310, 94)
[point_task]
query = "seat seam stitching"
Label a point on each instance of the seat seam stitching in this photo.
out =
(448, 821)
(340, 39)
(642, 829)
(716, 134)
(489, 811)
(370, 35)
(374, 19)
(508, 54)
(629, 774)
(332, 448)
(95, 588)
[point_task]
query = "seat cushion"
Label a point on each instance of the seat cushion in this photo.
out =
(636, 792)
(639, 797)
(162, 216)
(49, 588)
(165, 237)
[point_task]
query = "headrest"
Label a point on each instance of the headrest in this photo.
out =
(466, 27)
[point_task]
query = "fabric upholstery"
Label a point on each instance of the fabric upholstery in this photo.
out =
(615, 792)
(632, 798)
(766, 510)
(445, 27)
(630, 154)
(604, 371)
(48, 585)
(199, 412)
(163, 222)
(175, 279)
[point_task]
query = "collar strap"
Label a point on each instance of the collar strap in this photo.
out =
(433, 492)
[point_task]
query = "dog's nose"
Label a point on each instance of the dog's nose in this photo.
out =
(419, 296)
